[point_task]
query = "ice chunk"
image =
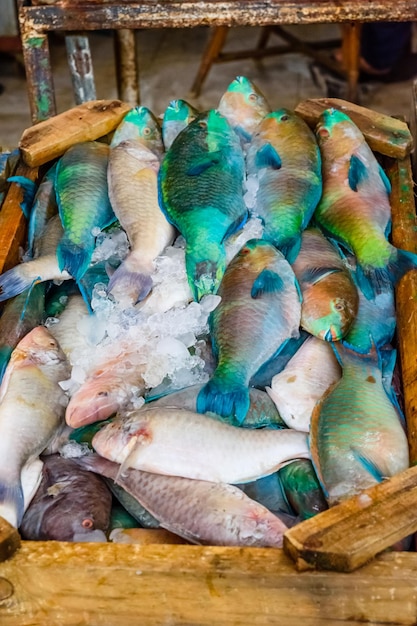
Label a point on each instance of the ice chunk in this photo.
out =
(74, 450)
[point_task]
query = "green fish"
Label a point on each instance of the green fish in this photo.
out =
(244, 106)
(141, 125)
(284, 159)
(83, 203)
(356, 437)
(355, 208)
(201, 193)
(177, 116)
(259, 311)
(302, 488)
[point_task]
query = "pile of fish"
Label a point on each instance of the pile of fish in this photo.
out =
(199, 334)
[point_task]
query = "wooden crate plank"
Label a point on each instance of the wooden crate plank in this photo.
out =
(9, 541)
(110, 585)
(385, 134)
(85, 122)
(12, 220)
(348, 535)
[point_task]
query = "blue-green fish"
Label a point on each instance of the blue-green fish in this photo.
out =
(141, 125)
(356, 437)
(201, 193)
(83, 202)
(177, 116)
(259, 311)
(44, 207)
(302, 488)
(285, 159)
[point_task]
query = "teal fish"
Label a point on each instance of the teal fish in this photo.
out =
(43, 208)
(83, 202)
(302, 488)
(244, 106)
(201, 193)
(356, 436)
(141, 125)
(177, 116)
(285, 159)
(259, 311)
(355, 208)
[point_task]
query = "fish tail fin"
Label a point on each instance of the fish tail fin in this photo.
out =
(11, 502)
(225, 399)
(373, 281)
(73, 258)
(5, 353)
(137, 285)
(16, 280)
(29, 191)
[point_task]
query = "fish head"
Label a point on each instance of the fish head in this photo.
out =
(96, 400)
(117, 440)
(244, 105)
(39, 347)
(177, 116)
(329, 307)
(337, 135)
(205, 269)
(142, 125)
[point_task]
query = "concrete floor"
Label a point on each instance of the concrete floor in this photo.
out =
(168, 62)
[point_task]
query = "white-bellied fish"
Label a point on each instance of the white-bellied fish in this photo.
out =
(177, 115)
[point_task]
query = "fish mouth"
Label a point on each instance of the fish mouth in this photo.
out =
(332, 334)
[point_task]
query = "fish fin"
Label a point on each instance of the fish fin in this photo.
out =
(200, 166)
(135, 284)
(73, 258)
(266, 282)
(224, 399)
(376, 280)
(5, 354)
(388, 362)
(14, 281)
(369, 464)
(313, 275)
(29, 191)
(12, 502)
(267, 156)
(242, 134)
(236, 225)
(291, 248)
(385, 180)
(357, 172)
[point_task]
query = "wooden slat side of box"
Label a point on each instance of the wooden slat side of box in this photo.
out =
(114, 585)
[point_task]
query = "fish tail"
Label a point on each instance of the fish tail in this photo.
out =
(224, 399)
(12, 502)
(135, 284)
(373, 281)
(29, 190)
(16, 280)
(5, 353)
(73, 258)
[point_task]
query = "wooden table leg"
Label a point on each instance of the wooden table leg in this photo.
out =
(126, 66)
(81, 67)
(350, 54)
(210, 54)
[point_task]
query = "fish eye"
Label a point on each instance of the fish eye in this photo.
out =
(339, 305)
(244, 250)
(87, 523)
(323, 132)
(285, 117)
(103, 394)
(202, 124)
(253, 97)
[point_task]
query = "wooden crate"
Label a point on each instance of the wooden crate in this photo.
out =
(65, 584)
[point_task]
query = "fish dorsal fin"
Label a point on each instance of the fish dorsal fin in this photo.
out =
(204, 163)
(385, 180)
(313, 275)
(266, 282)
(267, 156)
(357, 172)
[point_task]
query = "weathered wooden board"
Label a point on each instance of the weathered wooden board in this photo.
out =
(126, 585)
(89, 121)
(12, 221)
(348, 535)
(385, 134)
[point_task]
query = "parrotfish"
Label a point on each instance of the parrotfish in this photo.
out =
(83, 203)
(244, 106)
(302, 488)
(259, 311)
(285, 159)
(201, 192)
(304, 380)
(71, 504)
(141, 125)
(133, 191)
(355, 208)
(356, 436)
(177, 116)
(330, 296)
(44, 207)
(32, 406)
(197, 510)
(183, 443)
